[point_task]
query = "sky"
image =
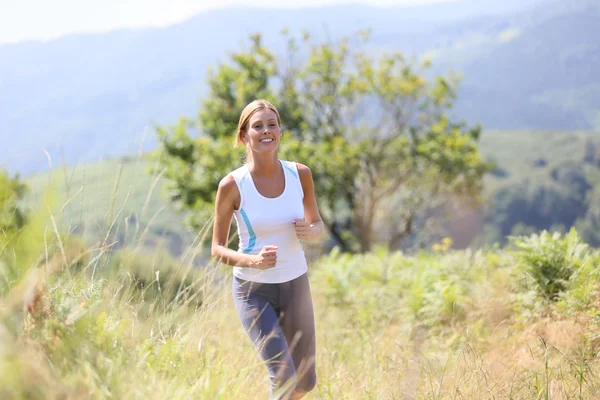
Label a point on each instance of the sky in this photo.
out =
(44, 20)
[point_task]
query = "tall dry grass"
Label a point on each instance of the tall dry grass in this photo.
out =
(87, 321)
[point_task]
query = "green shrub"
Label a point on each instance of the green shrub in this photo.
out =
(550, 259)
(384, 287)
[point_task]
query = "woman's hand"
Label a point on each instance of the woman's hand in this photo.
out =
(303, 229)
(266, 258)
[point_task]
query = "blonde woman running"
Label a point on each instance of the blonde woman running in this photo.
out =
(273, 203)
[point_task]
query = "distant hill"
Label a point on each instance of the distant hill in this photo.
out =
(542, 72)
(116, 199)
(526, 64)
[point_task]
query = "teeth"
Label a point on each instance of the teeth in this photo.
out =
(267, 140)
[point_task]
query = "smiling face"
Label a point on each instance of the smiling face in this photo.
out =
(263, 131)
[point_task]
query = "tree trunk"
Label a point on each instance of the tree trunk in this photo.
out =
(336, 232)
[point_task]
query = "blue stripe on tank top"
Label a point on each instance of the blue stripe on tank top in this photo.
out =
(252, 238)
(291, 170)
(243, 180)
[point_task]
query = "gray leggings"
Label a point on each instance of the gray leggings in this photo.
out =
(279, 319)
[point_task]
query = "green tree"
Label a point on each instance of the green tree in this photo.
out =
(374, 131)
(589, 224)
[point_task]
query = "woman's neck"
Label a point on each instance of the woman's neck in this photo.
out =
(264, 165)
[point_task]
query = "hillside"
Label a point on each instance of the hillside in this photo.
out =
(99, 95)
(120, 195)
(544, 180)
(541, 73)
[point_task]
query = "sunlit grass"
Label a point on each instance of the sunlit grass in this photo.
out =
(109, 342)
(81, 321)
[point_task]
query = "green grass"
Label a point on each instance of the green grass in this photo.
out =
(95, 321)
(435, 325)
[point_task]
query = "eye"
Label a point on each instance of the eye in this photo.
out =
(257, 126)
(273, 124)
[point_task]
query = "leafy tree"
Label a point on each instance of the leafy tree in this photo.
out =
(194, 165)
(375, 132)
(589, 224)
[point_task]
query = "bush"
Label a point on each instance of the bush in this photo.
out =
(550, 259)
(385, 287)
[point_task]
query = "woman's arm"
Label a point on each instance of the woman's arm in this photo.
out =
(312, 228)
(228, 196)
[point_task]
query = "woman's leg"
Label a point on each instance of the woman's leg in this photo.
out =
(298, 325)
(254, 304)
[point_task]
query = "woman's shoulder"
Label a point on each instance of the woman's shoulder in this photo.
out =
(233, 177)
(228, 191)
(293, 165)
(301, 171)
(239, 173)
(227, 183)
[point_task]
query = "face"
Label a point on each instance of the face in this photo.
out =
(263, 132)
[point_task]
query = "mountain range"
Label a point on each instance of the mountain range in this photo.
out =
(529, 64)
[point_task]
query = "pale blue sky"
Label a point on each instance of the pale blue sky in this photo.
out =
(48, 19)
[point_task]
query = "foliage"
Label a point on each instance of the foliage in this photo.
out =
(477, 304)
(374, 131)
(556, 195)
(12, 217)
(25, 239)
(441, 291)
(66, 314)
(451, 320)
(389, 287)
(589, 224)
(158, 278)
(551, 260)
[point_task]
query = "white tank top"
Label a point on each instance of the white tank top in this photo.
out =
(263, 221)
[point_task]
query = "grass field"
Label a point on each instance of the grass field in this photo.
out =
(439, 325)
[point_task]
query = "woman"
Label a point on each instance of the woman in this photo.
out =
(274, 205)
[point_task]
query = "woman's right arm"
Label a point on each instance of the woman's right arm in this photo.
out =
(228, 196)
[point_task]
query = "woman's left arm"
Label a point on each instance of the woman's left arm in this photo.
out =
(312, 226)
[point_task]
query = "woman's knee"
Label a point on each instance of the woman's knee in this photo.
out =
(307, 383)
(295, 388)
(283, 376)
(304, 384)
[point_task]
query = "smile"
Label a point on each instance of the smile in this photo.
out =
(266, 140)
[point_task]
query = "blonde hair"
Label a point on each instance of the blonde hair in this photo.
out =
(248, 112)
